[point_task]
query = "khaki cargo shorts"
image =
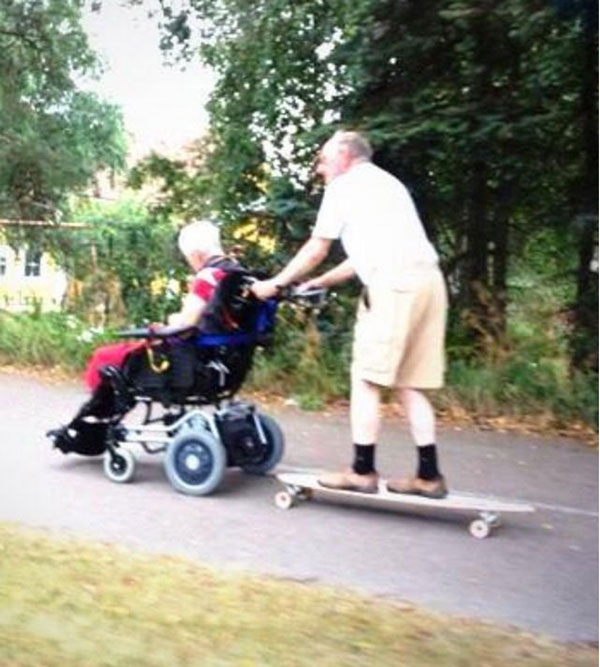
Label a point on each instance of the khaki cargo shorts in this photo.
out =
(399, 336)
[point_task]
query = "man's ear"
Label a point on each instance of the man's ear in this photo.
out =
(196, 260)
(345, 155)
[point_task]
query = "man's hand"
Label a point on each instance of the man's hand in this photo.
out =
(312, 253)
(264, 289)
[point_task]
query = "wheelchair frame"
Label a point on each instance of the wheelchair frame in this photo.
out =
(210, 431)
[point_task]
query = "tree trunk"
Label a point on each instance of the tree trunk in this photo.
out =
(585, 340)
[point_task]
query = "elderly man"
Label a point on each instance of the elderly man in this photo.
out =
(401, 318)
(200, 244)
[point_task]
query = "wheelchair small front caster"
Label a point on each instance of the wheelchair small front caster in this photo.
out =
(119, 465)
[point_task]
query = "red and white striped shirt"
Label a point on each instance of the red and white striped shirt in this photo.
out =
(204, 283)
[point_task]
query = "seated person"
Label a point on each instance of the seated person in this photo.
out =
(110, 399)
(200, 244)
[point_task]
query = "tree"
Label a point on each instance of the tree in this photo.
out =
(123, 265)
(53, 136)
(266, 106)
(584, 208)
(475, 105)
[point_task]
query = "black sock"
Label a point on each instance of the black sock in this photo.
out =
(428, 467)
(364, 459)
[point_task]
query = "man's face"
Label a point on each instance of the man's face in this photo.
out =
(332, 160)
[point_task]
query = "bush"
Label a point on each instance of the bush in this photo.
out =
(126, 257)
(310, 359)
(521, 387)
(50, 339)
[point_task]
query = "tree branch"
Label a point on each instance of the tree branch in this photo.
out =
(21, 36)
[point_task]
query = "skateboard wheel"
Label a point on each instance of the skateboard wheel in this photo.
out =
(480, 529)
(284, 500)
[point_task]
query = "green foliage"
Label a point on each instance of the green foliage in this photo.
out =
(309, 362)
(486, 110)
(475, 106)
(309, 357)
(268, 97)
(128, 254)
(52, 339)
(521, 387)
(183, 187)
(53, 136)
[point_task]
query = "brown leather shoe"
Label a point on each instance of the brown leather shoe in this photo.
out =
(430, 488)
(350, 481)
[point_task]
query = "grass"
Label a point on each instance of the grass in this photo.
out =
(66, 603)
(51, 339)
(519, 388)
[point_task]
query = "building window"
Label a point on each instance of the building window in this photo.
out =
(33, 261)
(2, 265)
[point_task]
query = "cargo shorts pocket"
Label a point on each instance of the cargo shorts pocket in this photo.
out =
(375, 333)
(373, 357)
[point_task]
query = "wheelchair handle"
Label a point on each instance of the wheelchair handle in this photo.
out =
(315, 297)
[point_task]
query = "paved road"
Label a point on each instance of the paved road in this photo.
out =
(538, 572)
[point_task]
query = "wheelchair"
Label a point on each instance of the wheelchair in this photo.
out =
(192, 376)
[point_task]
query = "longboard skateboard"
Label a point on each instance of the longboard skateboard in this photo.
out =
(302, 485)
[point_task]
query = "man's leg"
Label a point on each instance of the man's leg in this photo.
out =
(364, 422)
(364, 410)
(421, 419)
(419, 414)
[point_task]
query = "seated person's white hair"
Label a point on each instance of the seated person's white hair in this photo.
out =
(200, 236)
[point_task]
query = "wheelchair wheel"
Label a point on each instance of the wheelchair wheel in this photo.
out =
(195, 462)
(274, 448)
(120, 466)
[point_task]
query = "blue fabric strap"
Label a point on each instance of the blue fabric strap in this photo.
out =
(213, 340)
(265, 322)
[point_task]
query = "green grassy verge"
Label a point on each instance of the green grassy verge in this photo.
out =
(50, 339)
(66, 603)
(313, 368)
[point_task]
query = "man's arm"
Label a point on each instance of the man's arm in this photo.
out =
(310, 255)
(338, 274)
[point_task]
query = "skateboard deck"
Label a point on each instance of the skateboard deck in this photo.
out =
(300, 486)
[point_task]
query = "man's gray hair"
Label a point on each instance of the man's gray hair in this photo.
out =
(200, 236)
(357, 144)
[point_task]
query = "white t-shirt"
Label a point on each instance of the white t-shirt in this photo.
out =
(376, 219)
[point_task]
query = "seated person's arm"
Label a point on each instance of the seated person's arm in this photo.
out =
(190, 313)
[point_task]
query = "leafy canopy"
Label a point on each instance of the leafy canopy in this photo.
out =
(53, 136)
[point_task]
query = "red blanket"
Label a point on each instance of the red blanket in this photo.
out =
(114, 354)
